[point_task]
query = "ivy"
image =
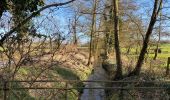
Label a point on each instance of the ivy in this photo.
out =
(20, 5)
(3, 6)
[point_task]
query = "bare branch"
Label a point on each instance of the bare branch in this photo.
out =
(31, 16)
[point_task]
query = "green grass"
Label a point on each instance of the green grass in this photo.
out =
(162, 57)
(165, 48)
(69, 75)
(23, 71)
(54, 73)
(66, 73)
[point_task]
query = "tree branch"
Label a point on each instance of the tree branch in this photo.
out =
(28, 18)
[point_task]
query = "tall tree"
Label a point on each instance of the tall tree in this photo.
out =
(76, 25)
(108, 28)
(156, 9)
(116, 40)
(159, 36)
(74, 30)
(92, 30)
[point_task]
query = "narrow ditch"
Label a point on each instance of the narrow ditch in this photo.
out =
(99, 74)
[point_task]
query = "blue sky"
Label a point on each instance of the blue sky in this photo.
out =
(59, 18)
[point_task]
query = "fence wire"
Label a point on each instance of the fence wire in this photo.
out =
(73, 90)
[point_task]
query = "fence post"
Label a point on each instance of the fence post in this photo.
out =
(5, 89)
(66, 91)
(167, 69)
(121, 94)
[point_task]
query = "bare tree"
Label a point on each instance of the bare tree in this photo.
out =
(92, 31)
(156, 9)
(116, 38)
(159, 36)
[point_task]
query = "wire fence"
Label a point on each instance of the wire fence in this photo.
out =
(73, 89)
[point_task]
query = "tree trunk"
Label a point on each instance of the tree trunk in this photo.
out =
(155, 12)
(92, 31)
(116, 38)
(159, 38)
(75, 31)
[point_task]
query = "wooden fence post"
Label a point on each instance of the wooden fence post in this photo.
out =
(167, 68)
(5, 89)
(66, 91)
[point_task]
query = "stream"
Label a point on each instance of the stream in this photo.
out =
(99, 74)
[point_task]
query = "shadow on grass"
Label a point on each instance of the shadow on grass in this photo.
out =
(66, 73)
(69, 75)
